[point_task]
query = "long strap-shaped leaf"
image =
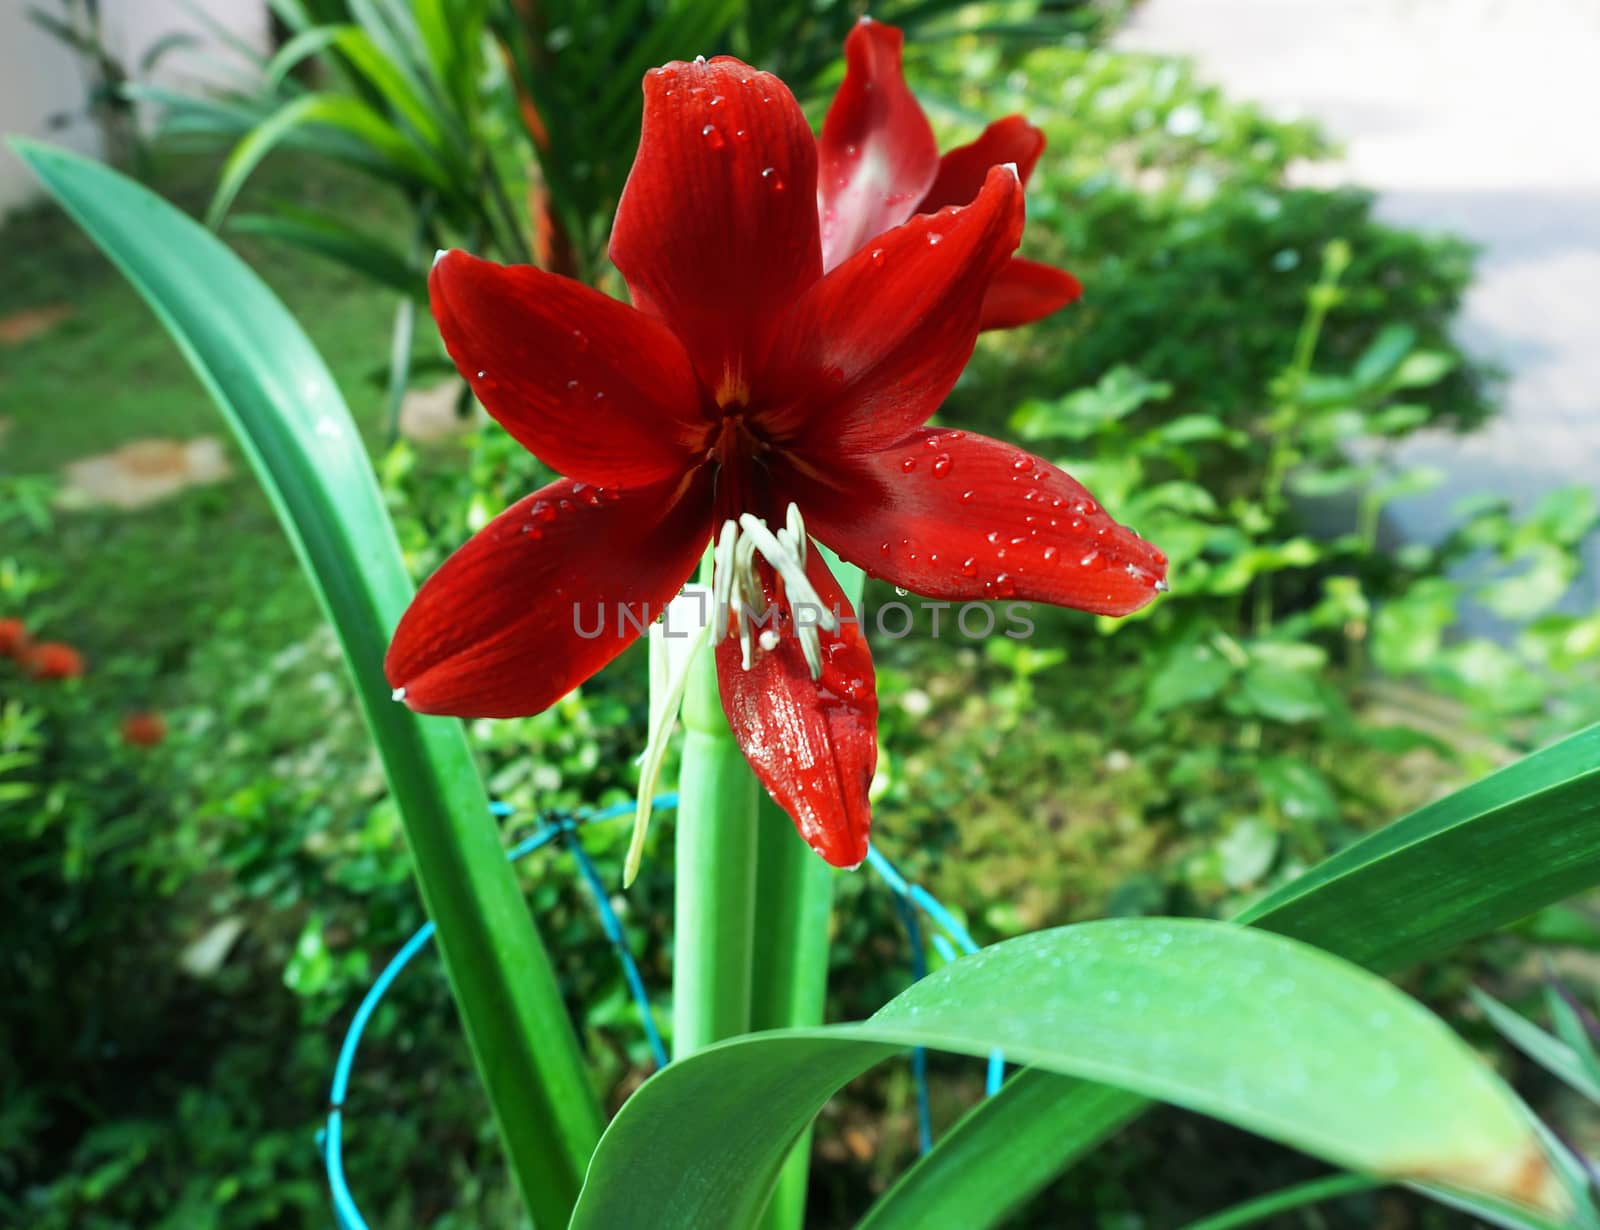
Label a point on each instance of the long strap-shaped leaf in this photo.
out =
(281, 402)
(1264, 1032)
(1467, 864)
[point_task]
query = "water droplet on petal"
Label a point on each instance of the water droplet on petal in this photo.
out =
(968, 496)
(713, 136)
(883, 548)
(941, 465)
(877, 257)
(993, 535)
(1094, 562)
(740, 134)
(483, 375)
(934, 238)
(908, 464)
(1004, 586)
(774, 180)
(580, 339)
(1021, 462)
(969, 567)
(1049, 554)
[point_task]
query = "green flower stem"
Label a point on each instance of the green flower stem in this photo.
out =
(716, 873)
(794, 905)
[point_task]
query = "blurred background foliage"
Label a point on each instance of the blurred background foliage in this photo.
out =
(189, 925)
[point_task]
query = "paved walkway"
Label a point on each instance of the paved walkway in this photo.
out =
(1476, 116)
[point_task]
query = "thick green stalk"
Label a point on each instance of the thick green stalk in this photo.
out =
(789, 986)
(716, 873)
(293, 427)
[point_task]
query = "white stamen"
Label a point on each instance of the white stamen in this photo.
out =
(737, 589)
(797, 532)
(788, 567)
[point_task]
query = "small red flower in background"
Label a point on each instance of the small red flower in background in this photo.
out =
(880, 164)
(13, 638)
(745, 391)
(53, 660)
(145, 729)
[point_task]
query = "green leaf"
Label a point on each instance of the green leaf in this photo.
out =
(1315, 1191)
(1380, 360)
(1422, 368)
(1473, 861)
(1408, 632)
(340, 114)
(1479, 859)
(957, 1187)
(1266, 1033)
(1550, 1053)
(1189, 674)
(1283, 691)
(279, 398)
(328, 236)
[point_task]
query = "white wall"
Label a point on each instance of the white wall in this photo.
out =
(40, 77)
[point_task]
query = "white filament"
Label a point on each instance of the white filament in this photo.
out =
(736, 588)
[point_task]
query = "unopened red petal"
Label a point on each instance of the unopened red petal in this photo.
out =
(545, 595)
(592, 387)
(878, 343)
(962, 169)
(813, 743)
(716, 232)
(952, 515)
(877, 155)
(1025, 291)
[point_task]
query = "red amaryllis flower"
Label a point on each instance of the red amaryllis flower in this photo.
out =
(13, 638)
(53, 660)
(145, 729)
(746, 397)
(880, 164)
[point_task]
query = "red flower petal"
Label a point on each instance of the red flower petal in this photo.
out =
(146, 729)
(1025, 291)
(962, 170)
(716, 232)
(590, 386)
(13, 638)
(953, 515)
(876, 345)
(812, 743)
(877, 154)
(513, 620)
(53, 660)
